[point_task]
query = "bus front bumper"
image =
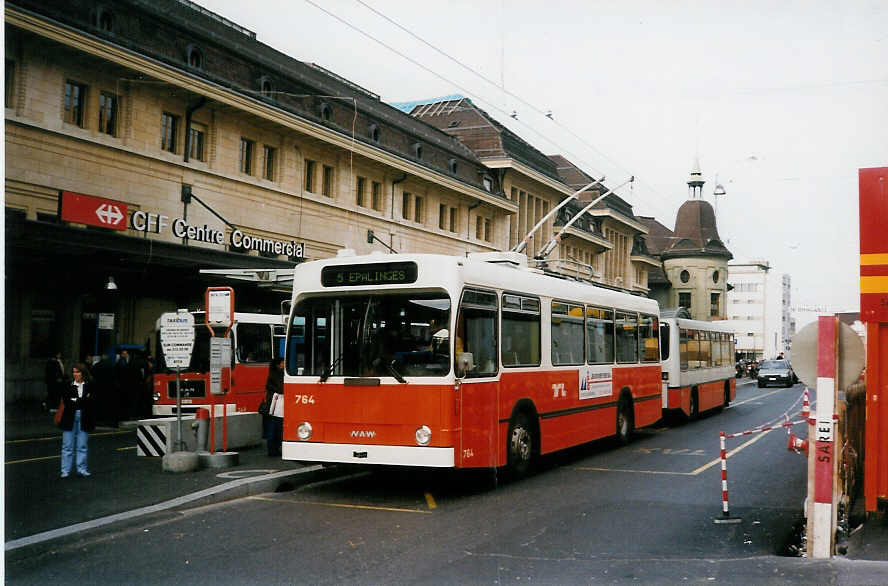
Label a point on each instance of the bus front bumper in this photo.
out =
(369, 454)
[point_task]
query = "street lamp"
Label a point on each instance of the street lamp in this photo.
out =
(719, 191)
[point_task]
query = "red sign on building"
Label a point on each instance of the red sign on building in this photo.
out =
(94, 211)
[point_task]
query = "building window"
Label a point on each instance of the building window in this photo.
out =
(265, 87)
(10, 79)
(325, 111)
(269, 157)
(194, 56)
(247, 149)
(310, 175)
(360, 191)
(418, 210)
(108, 106)
(715, 276)
(684, 300)
(373, 132)
(479, 227)
(197, 136)
(75, 100)
(684, 276)
(442, 217)
(454, 220)
(417, 150)
(376, 196)
(169, 131)
(106, 20)
(452, 166)
(714, 299)
(488, 230)
(405, 205)
(327, 181)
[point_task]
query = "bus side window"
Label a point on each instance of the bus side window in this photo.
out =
(664, 341)
(476, 331)
(253, 343)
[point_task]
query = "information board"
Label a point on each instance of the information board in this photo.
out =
(220, 306)
(220, 362)
(177, 338)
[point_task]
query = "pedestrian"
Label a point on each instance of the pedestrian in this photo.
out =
(54, 377)
(78, 419)
(274, 398)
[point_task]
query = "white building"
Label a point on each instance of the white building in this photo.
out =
(759, 309)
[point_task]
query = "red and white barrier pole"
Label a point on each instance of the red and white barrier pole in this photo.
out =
(806, 405)
(821, 522)
(724, 464)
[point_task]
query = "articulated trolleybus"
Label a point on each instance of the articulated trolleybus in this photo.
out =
(440, 361)
(698, 364)
(256, 338)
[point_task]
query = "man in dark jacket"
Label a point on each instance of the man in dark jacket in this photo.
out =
(54, 377)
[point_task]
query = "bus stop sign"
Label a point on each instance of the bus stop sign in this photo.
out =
(177, 338)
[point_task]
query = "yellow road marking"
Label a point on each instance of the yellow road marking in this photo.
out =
(58, 437)
(341, 505)
(696, 472)
(33, 459)
(430, 500)
(127, 448)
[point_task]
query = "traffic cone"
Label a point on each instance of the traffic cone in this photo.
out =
(806, 406)
(797, 444)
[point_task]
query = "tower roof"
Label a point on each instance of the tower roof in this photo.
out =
(696, 233)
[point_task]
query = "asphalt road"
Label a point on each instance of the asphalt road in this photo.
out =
(642, 513)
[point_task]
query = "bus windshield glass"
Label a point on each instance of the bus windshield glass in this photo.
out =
(399, 335)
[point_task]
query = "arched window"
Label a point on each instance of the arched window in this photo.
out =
(265, 86)
(104, 19)
(417, 150)
(451, 165)
(194, 56)
(373, 132)
(325, 111)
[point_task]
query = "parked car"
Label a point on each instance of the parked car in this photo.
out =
(776, 372)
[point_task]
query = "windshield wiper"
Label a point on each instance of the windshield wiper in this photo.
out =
(391, 368)
(329, 370)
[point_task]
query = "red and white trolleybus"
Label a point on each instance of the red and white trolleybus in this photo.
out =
(698, 364)
(441, 361)
(256, 338)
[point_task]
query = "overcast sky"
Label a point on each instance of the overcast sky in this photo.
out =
(781, 101)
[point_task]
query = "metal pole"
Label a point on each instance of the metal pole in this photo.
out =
(523, 244)
(179, 446)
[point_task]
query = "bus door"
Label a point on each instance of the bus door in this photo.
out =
(253, 353)
(476, 336)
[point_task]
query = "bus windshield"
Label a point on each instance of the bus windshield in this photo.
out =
(400, 334)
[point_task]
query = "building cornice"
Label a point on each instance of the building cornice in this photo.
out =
(102, 49)
(617, 216)
(588, 237)
(510, 163)
(644, 259)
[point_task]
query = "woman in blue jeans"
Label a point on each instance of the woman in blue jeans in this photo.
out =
(77, 420)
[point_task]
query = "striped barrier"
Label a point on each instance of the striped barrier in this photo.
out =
(151, 440)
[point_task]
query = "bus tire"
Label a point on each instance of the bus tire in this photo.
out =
(695, 404)
(625, 420)
(520, 445)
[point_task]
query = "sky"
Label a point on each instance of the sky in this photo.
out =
(781, 102)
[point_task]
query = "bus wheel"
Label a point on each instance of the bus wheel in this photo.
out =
(695, 405)
(727, 395)
(624, 421)
(520, 446)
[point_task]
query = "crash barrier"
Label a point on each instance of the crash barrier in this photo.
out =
(795, 444)
(156, 437)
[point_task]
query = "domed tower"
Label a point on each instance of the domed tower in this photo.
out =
(696, 263)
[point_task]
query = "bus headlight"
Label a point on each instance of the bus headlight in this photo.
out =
(304, 430)
(423, 435)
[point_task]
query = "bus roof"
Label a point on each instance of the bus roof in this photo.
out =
(695, 324)
(239, 317)
(501, 271)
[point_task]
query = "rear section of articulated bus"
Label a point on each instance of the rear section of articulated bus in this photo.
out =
(368, 375)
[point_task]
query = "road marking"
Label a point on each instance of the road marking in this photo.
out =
(245, 473)
(430, 500)
(756, 398)
(696, 472)
(127, 448)
(34, 459)
(340, 505)
(671, 451)
(59, 436)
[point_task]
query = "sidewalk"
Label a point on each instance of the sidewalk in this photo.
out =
(39, 506)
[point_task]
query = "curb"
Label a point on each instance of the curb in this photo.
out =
(234, 489)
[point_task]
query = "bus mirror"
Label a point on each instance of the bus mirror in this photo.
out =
(465, 363)
(285, 307)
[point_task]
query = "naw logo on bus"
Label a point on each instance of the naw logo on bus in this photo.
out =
(361, 433)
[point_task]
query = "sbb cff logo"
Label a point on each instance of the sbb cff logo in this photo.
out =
(94, 211)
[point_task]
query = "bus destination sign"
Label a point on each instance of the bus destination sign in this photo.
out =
(390, 273)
